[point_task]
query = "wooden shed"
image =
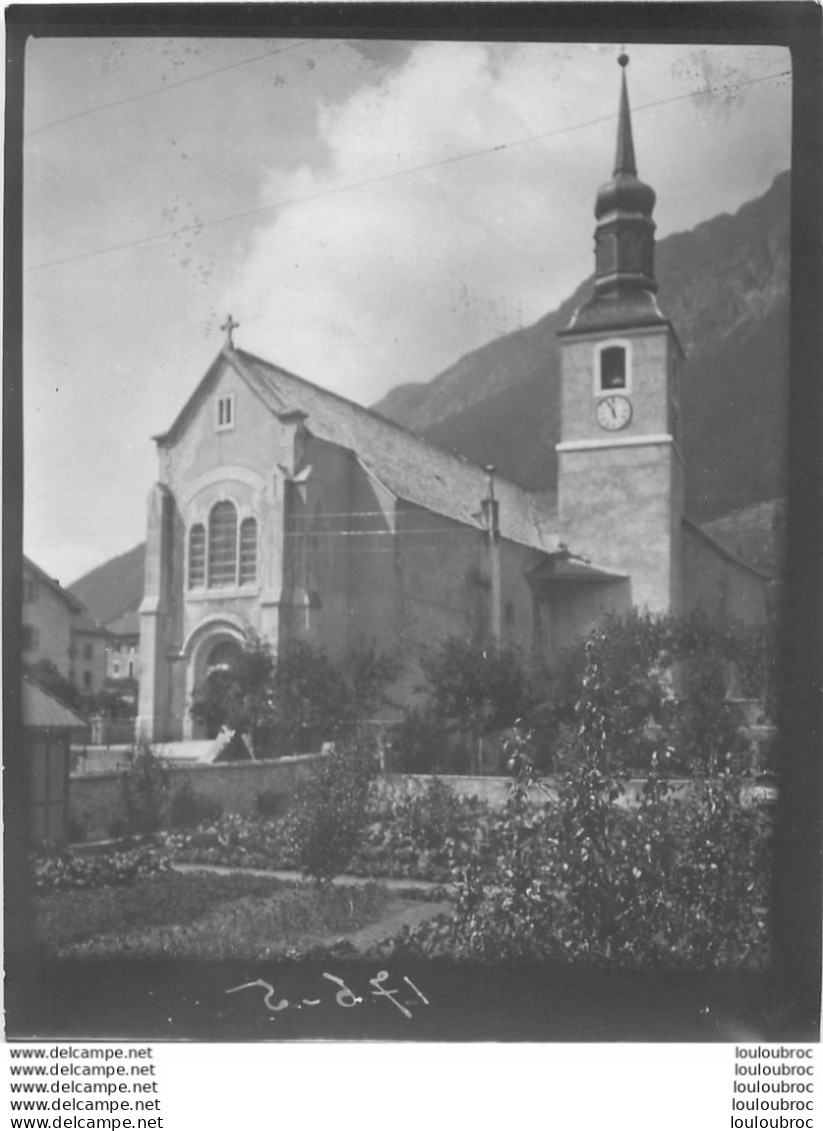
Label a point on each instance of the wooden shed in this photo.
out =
(48, 725)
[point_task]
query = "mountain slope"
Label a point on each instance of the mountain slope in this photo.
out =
(113, 588)
(725, 286)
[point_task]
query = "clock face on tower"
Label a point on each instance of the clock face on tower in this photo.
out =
(613, 413)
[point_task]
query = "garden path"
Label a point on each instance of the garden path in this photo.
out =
(394, 885)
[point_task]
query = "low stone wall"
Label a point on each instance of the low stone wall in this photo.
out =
(94, 799)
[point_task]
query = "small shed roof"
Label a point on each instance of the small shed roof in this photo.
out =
(41, 711)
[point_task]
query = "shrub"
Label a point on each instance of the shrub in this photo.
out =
(188, 807)
(295, 701)
(67, 870)
(144, 794)
(329, 811)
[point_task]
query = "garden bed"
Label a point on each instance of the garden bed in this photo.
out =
(206, 915)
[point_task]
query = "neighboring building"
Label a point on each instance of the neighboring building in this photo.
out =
(286, 509)
(123, 649)
(90, 644)
(56, 627)
(49, 614)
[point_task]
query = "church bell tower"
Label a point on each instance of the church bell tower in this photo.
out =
(620, 468)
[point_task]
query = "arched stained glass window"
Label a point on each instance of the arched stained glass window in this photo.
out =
(197, 556)
(248, 551)
(222, 545)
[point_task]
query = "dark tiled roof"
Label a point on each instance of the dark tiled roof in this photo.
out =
(754, 534)
(127, 625)
(42, 711)
(88, 625)
(411, 467)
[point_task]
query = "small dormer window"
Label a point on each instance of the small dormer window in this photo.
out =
(225, 413)
(613, 368)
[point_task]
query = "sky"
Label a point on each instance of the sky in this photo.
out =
(368, 212)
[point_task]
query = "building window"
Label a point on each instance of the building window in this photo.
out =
(87, 681)
(248, 551)
(31, 638)
(29, 590)
(197, 556)
(131, 669)
(222, 545)
(225, 413)
(87, 652)
(115, 669)
(613, 368)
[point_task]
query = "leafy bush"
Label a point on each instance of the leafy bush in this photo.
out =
(233, 842)
(330, 811)
(666, 883)
(64, 871)
(426, 836)
(144, 794)
(188, 807)
(661, 685)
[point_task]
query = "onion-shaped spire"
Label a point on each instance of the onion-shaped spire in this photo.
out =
(625, 192)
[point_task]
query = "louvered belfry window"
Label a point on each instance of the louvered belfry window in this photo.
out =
(248, 551)
(197, 556)
(222, 545)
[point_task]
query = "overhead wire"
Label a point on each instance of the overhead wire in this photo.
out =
(162, 89)
(383, 178)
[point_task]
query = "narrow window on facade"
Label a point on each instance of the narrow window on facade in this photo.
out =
(222, 545)
(87, 652)
(225, 412)
(248, 551)
(613, 367)
(87, 681)
(197, 556)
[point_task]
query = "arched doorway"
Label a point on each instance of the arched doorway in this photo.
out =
(213, 651)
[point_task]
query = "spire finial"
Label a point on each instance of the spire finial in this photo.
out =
(624, 161)
(229, 326)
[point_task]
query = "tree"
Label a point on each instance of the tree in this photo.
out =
(477, 686)
(295, 701)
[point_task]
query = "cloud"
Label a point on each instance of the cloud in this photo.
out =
(404, 242)
(391, 280)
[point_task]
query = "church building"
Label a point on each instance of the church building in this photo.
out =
(287, 510)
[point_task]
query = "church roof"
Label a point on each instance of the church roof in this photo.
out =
(410, 466)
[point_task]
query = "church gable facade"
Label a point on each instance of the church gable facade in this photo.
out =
(286, 510)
